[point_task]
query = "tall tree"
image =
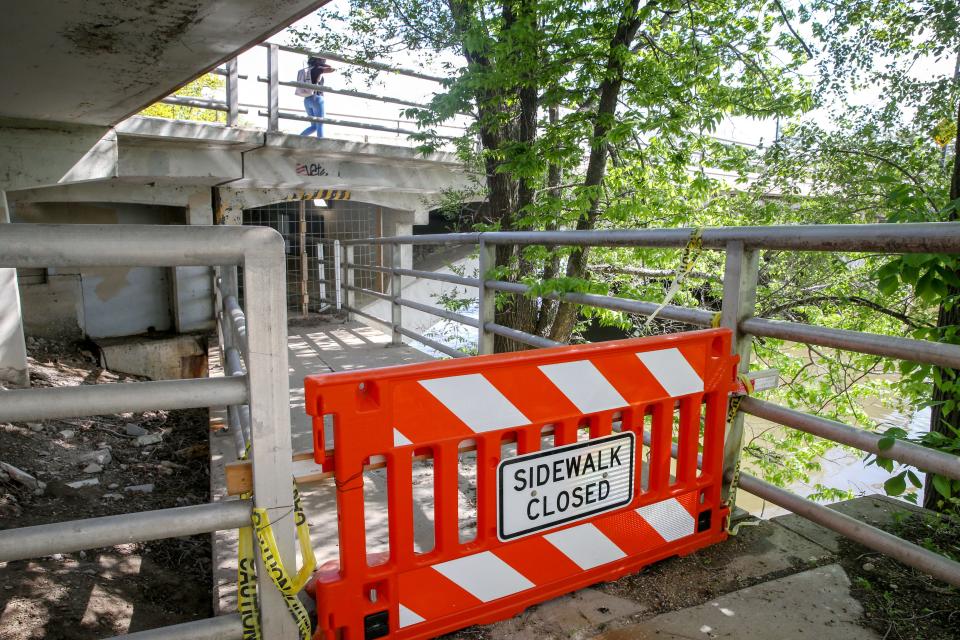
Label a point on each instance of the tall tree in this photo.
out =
(902, 52)
(558, 88)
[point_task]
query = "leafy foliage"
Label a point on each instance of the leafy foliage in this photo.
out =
(207, 86)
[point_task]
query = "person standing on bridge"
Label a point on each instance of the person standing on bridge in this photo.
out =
(313, 98)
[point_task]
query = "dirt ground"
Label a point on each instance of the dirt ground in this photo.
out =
(901, 603)
(93, 467)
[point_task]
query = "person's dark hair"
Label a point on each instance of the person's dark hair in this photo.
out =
(316, 62)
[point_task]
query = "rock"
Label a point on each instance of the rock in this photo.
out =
(139, 488)
(135, 430)
(101, 457)
(112, 485)
(20, 476)
(868, 566)
(86, 482)
(36, 427)
(93, 467)
(112, 496)
(66, 434)
(193, 452)
(148, 439)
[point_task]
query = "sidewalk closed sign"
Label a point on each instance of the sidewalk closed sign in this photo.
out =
(545, 489)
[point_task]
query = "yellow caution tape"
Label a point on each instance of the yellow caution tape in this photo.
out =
(715, 320)
(288, 587)
(687, 259)
(319, 194)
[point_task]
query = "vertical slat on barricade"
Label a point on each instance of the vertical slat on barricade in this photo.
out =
(488, 454)
(446, 492)
(400, 505)
(264, 286)
(689, 438)
(713, 440)
(661, 439)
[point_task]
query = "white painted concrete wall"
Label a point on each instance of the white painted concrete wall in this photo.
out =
(98, 302)
(13, 350)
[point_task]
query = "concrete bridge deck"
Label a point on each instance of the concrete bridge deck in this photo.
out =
(782, 578)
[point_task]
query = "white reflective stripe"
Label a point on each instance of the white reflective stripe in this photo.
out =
(400, 440)
(586, 546)
(476, 402)
(672, 371)
(408, 617)
(484, 576)
(584, 385)
(669, 518)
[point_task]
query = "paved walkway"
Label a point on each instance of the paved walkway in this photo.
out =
(778, 579)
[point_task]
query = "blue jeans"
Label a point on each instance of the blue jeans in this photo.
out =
(314, 107)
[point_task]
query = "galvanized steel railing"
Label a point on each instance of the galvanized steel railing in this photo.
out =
(257, 395)
(742, 246)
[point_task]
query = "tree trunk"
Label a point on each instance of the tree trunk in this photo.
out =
(627, 28)
(940, 423)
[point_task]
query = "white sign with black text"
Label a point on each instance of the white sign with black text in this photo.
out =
(544, 489)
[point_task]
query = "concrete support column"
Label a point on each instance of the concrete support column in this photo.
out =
(13, 348)
(193, 295)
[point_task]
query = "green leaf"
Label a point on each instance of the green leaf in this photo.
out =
(895, 485)
(914, 479)
(942, 485)
(886, 442)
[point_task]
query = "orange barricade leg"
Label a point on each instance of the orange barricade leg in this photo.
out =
(549, 519)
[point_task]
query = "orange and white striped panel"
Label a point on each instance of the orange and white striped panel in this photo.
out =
(503, 398)
(542, 560)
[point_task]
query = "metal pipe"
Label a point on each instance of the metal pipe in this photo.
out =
(437, 311)
(369, 316)
(430, 238)
(369, 64)
(369, 292)
(286, 115)
(938, 353)
(697, 317)
(238, 322)
(102, 399)
(521, 336)
(347, 92)
(920, 237)
(888, 544)
(433, 344)
(908, 453)
(125, 245)
(415, 273)
(197, 103)
(227, 627)
(236, 430)
(63, 537)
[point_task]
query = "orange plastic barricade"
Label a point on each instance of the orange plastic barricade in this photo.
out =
(549, 520)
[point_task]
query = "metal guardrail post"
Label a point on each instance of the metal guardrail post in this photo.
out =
(264, 280)
(396, 291)
(233, 93)
(739, 302)
(487, 298)
(273, 88)
(349, 299)
(337, 273)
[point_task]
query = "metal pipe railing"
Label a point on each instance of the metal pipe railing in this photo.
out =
(102, 399)
(440, 313)
(433, 344)
(238, 322)
(923, 458)
(938, 353)
(521, 336)
(64, 537)
(920, 237)
(415, 273)
(697, 317)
